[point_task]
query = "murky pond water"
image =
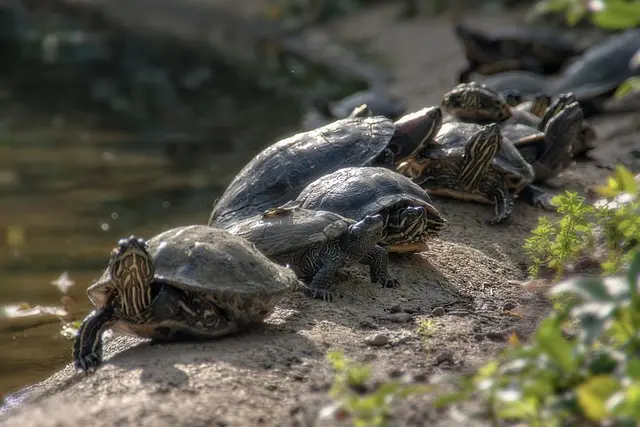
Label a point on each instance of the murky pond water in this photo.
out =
(69, 193)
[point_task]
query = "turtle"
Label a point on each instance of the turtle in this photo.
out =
(478, 103)
(356, 192)
(316, 244)
(378, 100)
(474, 164)
(537, 49)
(592, 78)
(188, 282)
(547, 150)
(278, 173)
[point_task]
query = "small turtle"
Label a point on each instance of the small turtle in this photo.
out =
(592, 78)
(379, 102)
(408, 213)
(478, 103)
(475, 165)
(278, 173)
(187, 282)
(540, 50)
(316, 244)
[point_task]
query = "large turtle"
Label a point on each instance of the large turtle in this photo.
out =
(378, 100)
(475, 102)
(592, 78)
(278, 173)
(536, 49)
(478, 165)
(408, 213)
(187, 282)
(316, 244)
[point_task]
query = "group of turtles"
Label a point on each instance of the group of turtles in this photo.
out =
(350, 191)
(522, 62)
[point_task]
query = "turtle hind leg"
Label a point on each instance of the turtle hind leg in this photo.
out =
(194, 315)
(378, 262)
(538, 197)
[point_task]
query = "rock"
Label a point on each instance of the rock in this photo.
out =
(508, 306)
(378, 341)
(437, 312)
(398, 317)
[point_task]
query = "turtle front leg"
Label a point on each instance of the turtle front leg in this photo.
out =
(87, 347)
(537, 197)
(319, 287)
(503, 202)
(378, 262)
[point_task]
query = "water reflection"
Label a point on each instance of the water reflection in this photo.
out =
(67, 200)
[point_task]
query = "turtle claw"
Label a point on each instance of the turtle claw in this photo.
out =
(323, 294)
(390, 282)
(538, 197)
(88, 363)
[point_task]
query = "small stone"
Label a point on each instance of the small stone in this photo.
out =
(396, 373)
(444, 357)
(508, 306)
(399, 317)
(379, 340)
(437, 312)
(496, 336)
(478, 337)
(395, 308)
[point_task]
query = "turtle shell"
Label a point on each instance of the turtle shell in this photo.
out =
(358, 192)
(453, 137)
(379, 102)
(290, 229)
(205, 259)
(601, 69)
(278, 174)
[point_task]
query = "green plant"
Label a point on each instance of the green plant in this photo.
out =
(425, 329)
(365, 408)
(613, 227)
(609, 14)
(586, 380)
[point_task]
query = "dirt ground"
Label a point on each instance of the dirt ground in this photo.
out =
(279, 375)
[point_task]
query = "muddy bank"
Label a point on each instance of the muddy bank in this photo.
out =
(278, 375)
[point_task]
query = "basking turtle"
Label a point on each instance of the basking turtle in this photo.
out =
(316, 244)
(379, 101)
(278, 174)
(471, 162)
(478, 103)
(408, 214)
(592, 78)
(187, 282)
(541, 50)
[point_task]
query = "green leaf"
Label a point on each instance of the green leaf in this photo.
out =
(588, 288)
(593, 395)
(631, 85)
(634, 272)
(549, 338)
(617, 15)
(626, 179)
(633, 369)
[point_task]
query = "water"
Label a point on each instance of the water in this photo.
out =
(69, 193)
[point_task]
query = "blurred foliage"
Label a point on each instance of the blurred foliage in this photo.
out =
(611, 226)
(609, 14)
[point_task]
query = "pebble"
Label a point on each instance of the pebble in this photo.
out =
(379, 340)
(395, 308)
(508, 306)
(437, 312)
(399, 317)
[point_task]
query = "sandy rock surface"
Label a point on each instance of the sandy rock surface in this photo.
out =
(279, 375)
